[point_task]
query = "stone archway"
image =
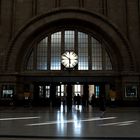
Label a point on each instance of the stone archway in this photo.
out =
(25, 36)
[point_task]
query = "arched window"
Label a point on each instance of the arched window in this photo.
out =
(92, 54)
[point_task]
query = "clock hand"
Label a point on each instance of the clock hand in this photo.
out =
(69, 62)
(66, 56)
(68, 59)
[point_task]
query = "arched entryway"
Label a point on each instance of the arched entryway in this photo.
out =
(68, 20)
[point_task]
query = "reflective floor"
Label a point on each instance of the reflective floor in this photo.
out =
(78, 123)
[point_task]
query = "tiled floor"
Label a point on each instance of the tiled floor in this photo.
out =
(49, 123)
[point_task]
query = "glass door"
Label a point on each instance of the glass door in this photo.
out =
(41, 94)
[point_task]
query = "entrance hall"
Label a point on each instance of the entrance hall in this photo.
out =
(59, 58)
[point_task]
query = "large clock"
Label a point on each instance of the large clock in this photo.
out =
(69, 59)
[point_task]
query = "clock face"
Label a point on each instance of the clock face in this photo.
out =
(69, 59)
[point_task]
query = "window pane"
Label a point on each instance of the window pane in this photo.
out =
(100, 60)
(62, 90)
(108, 65)
(96, 55)
(56, 51)
(69, 40)
(77, 89)
(41, 92)
(42, 54)
(47, 94)
(82, 51)
(97, 89)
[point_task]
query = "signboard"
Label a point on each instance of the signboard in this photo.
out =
(131, 91)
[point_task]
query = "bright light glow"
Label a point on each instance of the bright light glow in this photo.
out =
(77, 127)
(70, 121)
(119, 123)
(19, 118)
(60, 126)
(78, 108)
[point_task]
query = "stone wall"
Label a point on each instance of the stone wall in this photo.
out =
(123, 16)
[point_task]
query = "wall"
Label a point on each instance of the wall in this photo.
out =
(123, 14)
(14, 14)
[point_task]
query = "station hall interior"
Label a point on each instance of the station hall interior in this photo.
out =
(60, 60)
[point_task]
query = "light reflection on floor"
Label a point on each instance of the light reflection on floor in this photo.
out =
(76, 120)
(19, 118)
(119, 123)
(74, 108)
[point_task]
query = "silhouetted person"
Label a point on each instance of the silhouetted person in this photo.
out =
(102, 104)
(93, 100)
(78, 100)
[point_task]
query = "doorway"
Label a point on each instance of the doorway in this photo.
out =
(57, 94)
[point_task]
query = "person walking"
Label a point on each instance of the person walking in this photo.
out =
(78, 100)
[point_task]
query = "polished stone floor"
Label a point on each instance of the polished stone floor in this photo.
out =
(78, 123)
